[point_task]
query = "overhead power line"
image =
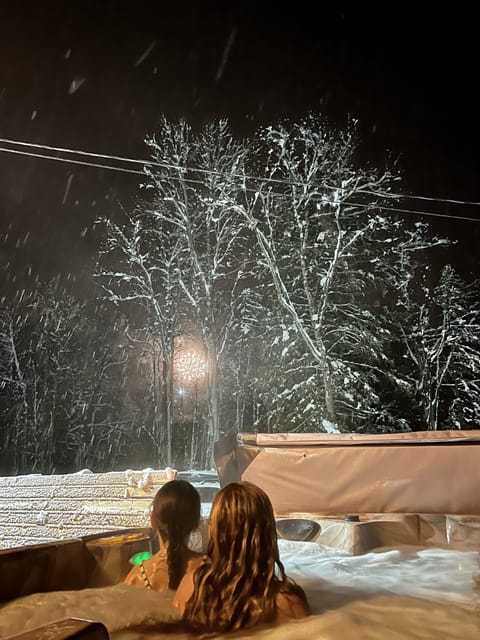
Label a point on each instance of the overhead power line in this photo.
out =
(405, 196)
(152, 163)
(415, 212)
(70, 161)
(78, 152)
(166, 165)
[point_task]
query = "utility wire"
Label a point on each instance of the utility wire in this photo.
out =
(70, 161)
(76, 152)
(117, 168)
(413, 211)
(87, 164)
(166, 165)
(192, 180)
(404, 196)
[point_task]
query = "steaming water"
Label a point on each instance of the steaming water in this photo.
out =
(408, 592)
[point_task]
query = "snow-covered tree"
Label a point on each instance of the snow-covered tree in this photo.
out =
(139, 272)
(460, 317)
(280, 259)
(334, 256)
(440, 334)
(197, 178)
(58, 376)
(248, 361)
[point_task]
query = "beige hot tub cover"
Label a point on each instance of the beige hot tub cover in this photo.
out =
(338, 474)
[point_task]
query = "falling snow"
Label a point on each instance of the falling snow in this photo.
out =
(145, 54)
(75, 85)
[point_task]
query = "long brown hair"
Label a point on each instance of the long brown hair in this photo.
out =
(237, 583)
(175, 514)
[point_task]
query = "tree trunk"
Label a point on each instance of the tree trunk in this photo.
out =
(213, 399)
(167, 402)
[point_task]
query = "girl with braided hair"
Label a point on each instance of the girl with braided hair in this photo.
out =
(241, 582)
(175, 514)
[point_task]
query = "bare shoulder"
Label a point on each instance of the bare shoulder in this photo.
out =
(187, 584)
(184, 590)
(151, 573)
(134, 578)
(290, 606)
(194, 560)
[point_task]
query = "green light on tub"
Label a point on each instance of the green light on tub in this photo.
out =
(138, 558)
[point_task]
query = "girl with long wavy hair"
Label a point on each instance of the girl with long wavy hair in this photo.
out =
(175, 514)
(241, 581)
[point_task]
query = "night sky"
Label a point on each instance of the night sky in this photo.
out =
(97, 76)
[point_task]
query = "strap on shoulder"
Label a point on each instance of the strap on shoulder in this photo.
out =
(145, 579)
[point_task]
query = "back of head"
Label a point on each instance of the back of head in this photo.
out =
(242, 528)
(175, 514)
(236, 586)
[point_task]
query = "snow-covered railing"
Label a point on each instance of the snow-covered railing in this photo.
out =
(36, 509)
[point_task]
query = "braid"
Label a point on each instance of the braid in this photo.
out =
(175, 556)
(175, 514)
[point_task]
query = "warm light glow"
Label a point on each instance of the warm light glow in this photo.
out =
(190, 366)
